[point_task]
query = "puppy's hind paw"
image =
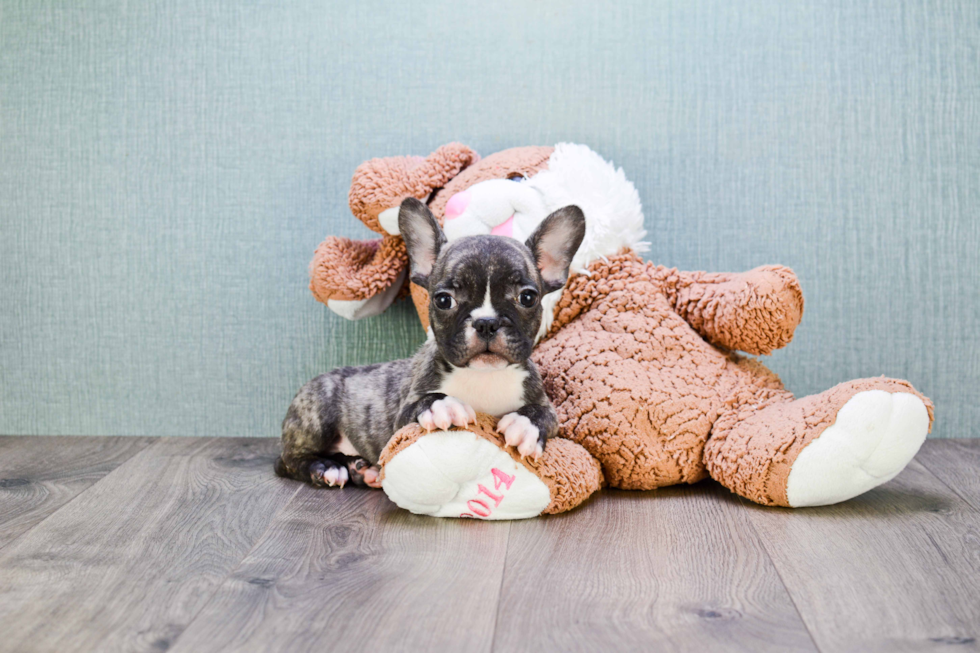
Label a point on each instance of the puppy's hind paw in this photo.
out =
(446, 412)
(520, 432)
(372, 477)
(327, 473)
(363, 473)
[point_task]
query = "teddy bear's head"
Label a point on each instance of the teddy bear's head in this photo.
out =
(507, 193)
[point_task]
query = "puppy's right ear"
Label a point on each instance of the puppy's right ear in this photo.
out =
(554, 244)
(423, 238)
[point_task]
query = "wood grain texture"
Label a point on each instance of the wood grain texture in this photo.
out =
(193, 545)
(895, 569)
(39, 475)
(130, 562)
(677, 569)
(957, 464)
(348, 571)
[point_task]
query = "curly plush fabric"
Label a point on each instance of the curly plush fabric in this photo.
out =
(381, 184)
(720, 305)
(570, 473)
(356, 269)
(637, 364)
(632, 382)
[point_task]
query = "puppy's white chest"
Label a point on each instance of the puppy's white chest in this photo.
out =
(495, 392)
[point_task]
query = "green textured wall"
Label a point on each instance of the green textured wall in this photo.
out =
(166, 170)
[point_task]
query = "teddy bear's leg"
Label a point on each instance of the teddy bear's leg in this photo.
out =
(820, 449)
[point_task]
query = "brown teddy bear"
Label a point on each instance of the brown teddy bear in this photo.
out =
(639, 360)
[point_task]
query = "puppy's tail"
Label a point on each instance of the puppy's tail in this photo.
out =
(284, 472)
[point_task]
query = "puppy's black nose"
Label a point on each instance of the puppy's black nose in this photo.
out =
(486, 326)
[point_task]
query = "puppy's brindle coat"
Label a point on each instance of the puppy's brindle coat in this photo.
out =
(484, 311)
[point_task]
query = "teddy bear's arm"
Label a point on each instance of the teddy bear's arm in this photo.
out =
(755, 311)
(358, 279)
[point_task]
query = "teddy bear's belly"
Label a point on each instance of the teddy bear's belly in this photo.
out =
(642, 401)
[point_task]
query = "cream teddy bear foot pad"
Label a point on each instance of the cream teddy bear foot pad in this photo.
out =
(875, 435)
(458, 474)
(471, 473)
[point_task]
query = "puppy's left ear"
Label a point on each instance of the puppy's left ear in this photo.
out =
(423, 238)
(554, 244)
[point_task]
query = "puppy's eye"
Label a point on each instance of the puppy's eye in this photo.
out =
(527, 298)
(444, 301)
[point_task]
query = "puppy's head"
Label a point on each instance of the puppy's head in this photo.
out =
(485, 291)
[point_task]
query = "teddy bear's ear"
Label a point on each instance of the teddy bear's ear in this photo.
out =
(358, 279)
(380, 185)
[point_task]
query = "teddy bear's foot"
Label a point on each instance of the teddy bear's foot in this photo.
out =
(459, 474)
(820, 449)
(471, 473)
(875, 435)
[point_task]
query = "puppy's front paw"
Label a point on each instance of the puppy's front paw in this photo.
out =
(518, 431)
(446, 412)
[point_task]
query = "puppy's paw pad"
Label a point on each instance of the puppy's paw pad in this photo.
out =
(520, 432)
(447, 412)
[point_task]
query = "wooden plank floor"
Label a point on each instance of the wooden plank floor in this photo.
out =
(189, 544)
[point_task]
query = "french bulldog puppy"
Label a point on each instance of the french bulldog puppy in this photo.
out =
(484, 312)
